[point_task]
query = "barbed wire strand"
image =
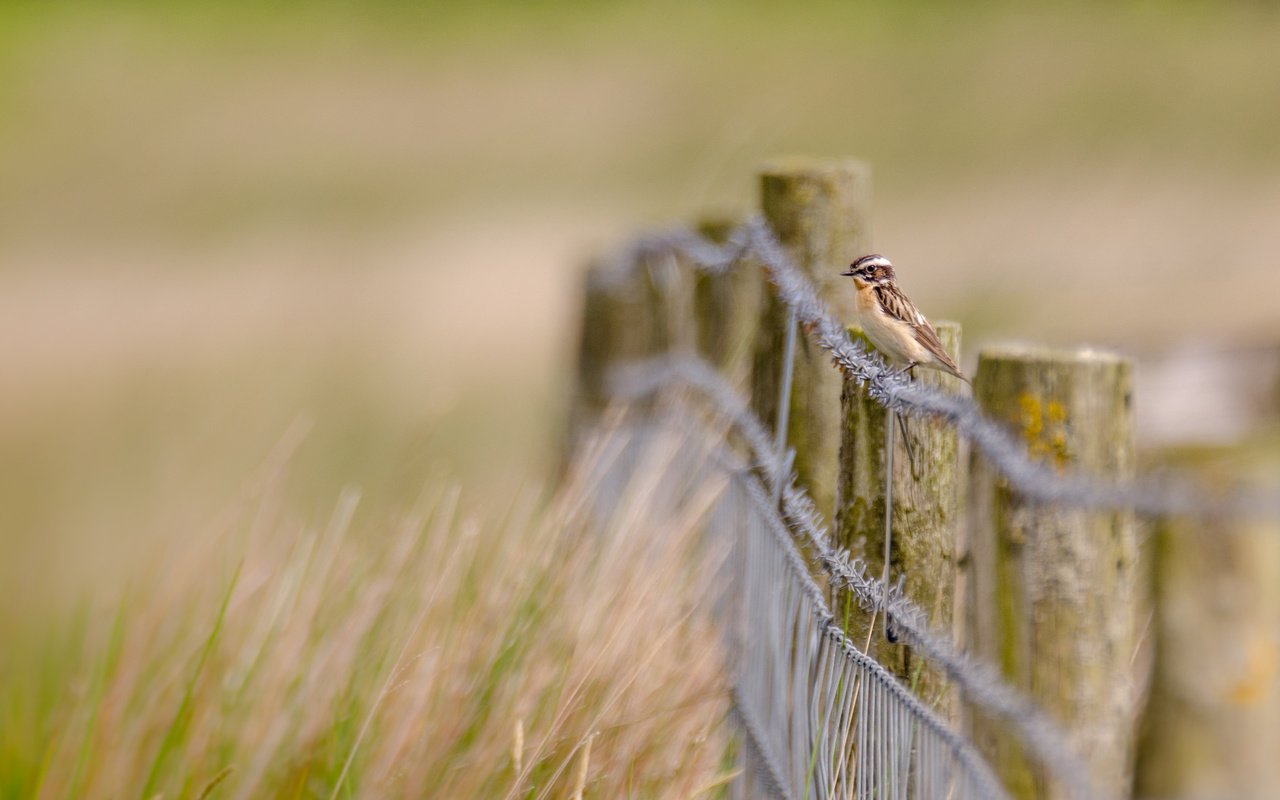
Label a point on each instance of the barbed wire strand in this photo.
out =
(963, 751)
(889, 387)
(817, 718)
(982, 685)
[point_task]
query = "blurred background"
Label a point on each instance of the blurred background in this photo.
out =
(350, 235)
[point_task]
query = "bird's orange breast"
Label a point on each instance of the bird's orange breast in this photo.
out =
(865, 299)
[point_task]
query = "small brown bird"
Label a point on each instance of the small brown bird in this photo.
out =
(892, 322)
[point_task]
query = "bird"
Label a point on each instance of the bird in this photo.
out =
(892, 322)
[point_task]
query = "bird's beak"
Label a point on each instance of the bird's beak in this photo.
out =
(848, 273)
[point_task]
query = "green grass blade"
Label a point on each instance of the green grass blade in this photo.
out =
(177, 729)
(103, 677)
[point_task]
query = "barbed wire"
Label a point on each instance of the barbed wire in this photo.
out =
(982, 685)
(889, 387)
(817, 717)
(795, 515)
(829, 627)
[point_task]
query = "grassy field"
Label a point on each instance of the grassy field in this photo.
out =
(254, 256)
(528, 657)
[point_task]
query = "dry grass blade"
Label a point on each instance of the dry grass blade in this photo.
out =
(584, 764)
(390, 660)
(222, 775)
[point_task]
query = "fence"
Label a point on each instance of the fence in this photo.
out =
(1044, 571)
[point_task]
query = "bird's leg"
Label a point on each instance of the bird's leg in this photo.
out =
(907, 371)
(906, 445)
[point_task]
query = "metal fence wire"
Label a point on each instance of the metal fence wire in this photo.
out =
(818, 716)
(980, 683)
(826, 720)
(1030, 478)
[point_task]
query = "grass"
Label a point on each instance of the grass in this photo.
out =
(428, 653)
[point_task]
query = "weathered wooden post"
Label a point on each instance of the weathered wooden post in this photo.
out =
(727, 306)
(628, 315)
(1053, 589)
(1212, 723)
(819, 210)
(925, 513)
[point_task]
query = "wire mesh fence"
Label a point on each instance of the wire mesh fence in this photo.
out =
(819, 716)
(835, 722)
(980, 683)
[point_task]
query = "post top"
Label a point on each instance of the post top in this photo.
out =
(1039, 354)
(812, 166)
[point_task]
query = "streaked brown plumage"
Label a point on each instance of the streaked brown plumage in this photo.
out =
(892, 322)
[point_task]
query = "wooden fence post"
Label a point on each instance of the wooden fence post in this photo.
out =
(1212, 723)
(628, 316)
(819, 210)
(727, 306)
(1053, 589)
(925, 513)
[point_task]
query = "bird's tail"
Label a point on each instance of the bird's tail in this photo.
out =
(951, 369)
(948, 366)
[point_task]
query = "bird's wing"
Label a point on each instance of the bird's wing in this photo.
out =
(927, 336)
(896, 305)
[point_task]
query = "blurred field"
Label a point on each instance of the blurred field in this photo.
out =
(521, 658)
(348, 236)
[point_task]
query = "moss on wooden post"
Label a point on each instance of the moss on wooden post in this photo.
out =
(925, 513)
(727, 306)
(1212, 723)
(819, 211)
(1053, 590)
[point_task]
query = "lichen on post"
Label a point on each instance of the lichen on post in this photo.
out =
(925, 514)
(1053, 590)
(820, 212)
